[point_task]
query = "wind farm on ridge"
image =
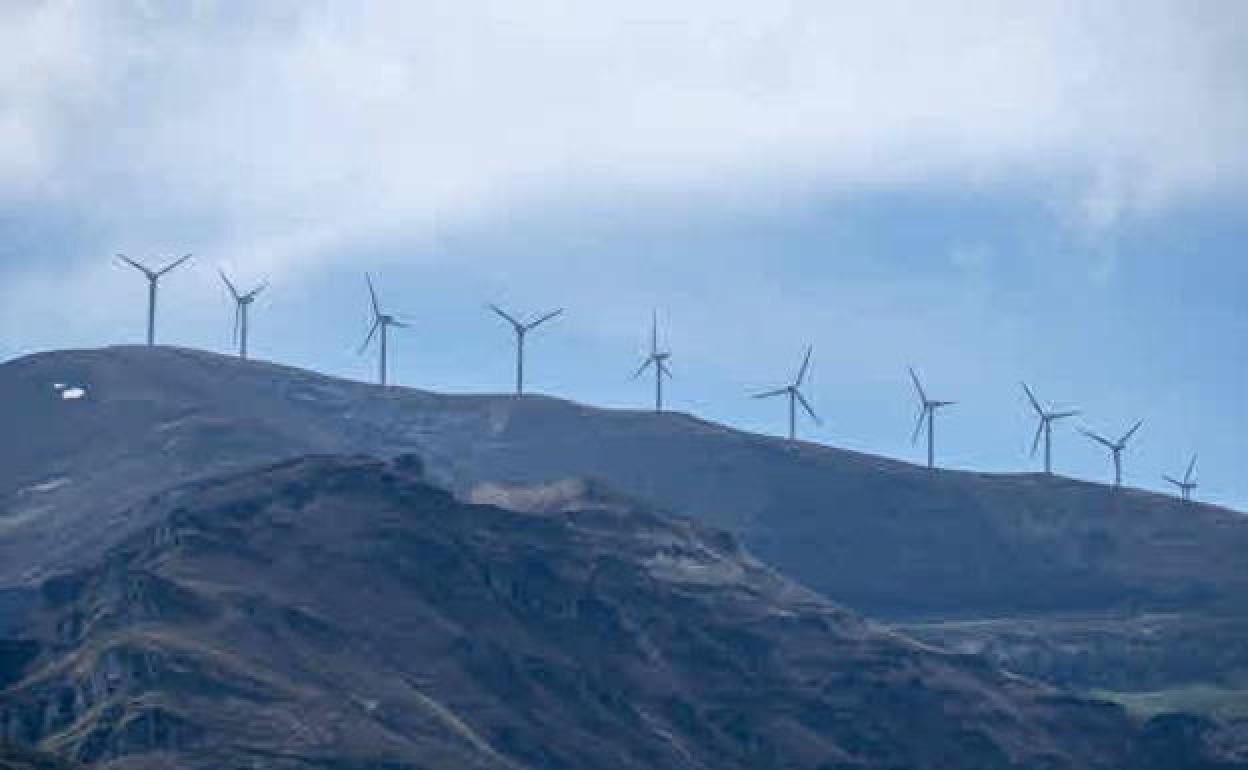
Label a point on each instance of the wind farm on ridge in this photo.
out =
(657, 361)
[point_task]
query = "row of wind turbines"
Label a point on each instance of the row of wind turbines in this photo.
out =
(657, 361)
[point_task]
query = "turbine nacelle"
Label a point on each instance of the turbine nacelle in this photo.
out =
(154, 275)
(240, 298)
(153, 283)
(250, 297)
(241, 303)
(925, 403)
(521, 329)
(381, 322)
(794, 392)
(1186, 485)
(928, 407)
(1044, 429)
(1116, 448)
(660, 360)
(657, 359)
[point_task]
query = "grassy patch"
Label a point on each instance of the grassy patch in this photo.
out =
(1203, 699)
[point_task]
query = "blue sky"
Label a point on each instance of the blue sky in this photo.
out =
(988, 194)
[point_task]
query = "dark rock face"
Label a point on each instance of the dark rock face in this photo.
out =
(343, 613)
(18, 758)
(1186, 742)
(15, 656)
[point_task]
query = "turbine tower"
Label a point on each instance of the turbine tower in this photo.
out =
(242, 304)
(1045, 428)
(927, 415)
(793, 391)
(383, 322)
(1115, 447)
(521, 330)
(658, 360)
(1186, 485)
(153, 282)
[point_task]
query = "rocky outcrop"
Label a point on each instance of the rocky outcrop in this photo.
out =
(1145, 653)
(344, 613)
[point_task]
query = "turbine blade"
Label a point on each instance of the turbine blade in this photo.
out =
(257, 291)
(1039, 434)
(174, 266)
(238, 322)
(654, 334)
(545, 318)
(806, 405)
(918, 386)
(663, 368)
(801, 373)
(918, 426)
(770, 393)
(1131, 433)
(135, 265)
(371, 333)
(1064, 415)
(229, 284)
(506, 317)
(1097, 438)
(1190, 467)
(372, 294)
(645, 365)
(1035, 402)
(1173, 480)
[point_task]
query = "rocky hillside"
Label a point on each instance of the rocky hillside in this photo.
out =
(16, 758)
(343, 613)
(881, 536)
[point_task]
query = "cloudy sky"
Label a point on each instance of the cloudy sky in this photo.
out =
(989, 191)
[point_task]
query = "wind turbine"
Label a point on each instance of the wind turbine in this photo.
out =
(659, 361)
(1116, 447)
(927, 414)
(383, 322)
(153, 281)
(521, 330)
(793, 391)
(242, 303)
(1045, 428)
(1186, 485)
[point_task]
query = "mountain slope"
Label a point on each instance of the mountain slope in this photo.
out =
(13, 758)
(342, 613)
(881, 536)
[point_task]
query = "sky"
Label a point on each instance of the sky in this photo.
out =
(990, 192)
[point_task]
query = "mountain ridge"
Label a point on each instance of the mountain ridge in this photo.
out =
(673, 415)
(948, 539)
(922, 549)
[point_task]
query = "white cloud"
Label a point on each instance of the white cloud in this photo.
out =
(289, 129)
